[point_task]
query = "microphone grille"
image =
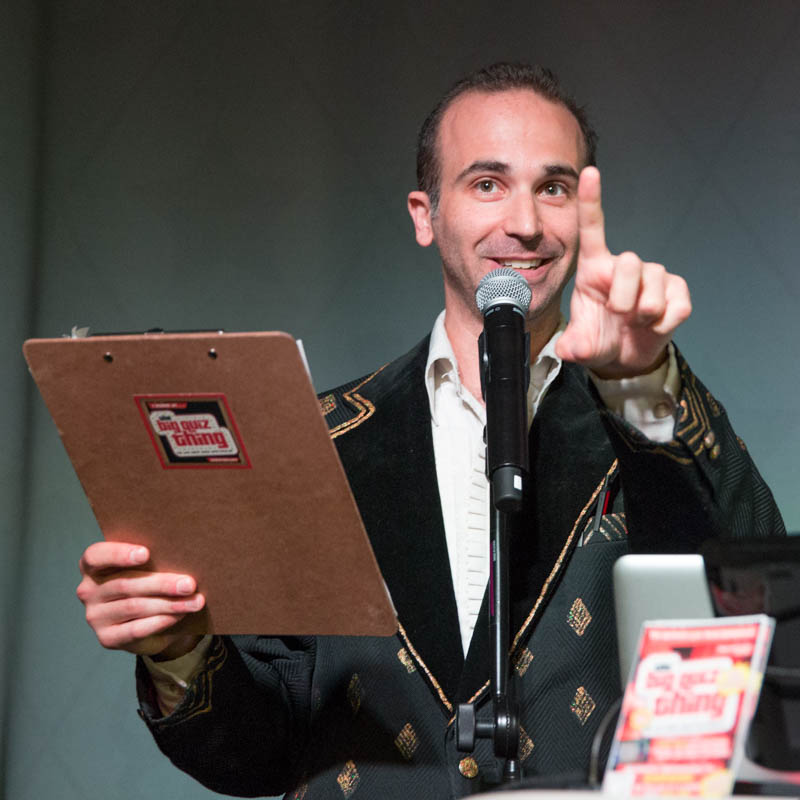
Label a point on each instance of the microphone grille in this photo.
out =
(503, 285)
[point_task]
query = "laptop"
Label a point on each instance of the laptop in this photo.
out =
(729, 578)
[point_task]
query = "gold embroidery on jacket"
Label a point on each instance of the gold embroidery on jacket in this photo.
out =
(525, 744)
(405, 660)
(522, 661)
(348, 779)
(327, 404)
(355, 693)
(364, 408)
(579, 617)
(582, 705)
(612, 528)
(442, 696)
(406, 741)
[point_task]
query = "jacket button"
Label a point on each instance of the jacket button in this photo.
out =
(709, 439)
(714, 452)
(662, 410)
(468, 767)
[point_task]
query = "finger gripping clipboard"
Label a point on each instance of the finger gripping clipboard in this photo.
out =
(211, 450)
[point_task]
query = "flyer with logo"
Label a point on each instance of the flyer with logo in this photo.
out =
(687, 707)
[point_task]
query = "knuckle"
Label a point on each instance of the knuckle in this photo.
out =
(95, 558)
(145, 629)
(628, 264)
(651, 309)
(83, 591)
(86, 562)
(677, 284)
(141, 629)
(132, 606)
(106, 638)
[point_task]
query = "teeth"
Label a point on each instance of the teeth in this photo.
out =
(532, 264)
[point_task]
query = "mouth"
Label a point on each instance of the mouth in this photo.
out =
(522, 263)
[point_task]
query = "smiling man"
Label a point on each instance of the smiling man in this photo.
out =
(511, 190)
(628, 452)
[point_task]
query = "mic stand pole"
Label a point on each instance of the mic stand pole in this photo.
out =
(506, 709)
(503, 728)
(505, 492)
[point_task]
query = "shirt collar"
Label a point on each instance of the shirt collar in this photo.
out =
(441, 366)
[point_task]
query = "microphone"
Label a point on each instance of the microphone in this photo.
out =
(503, 298)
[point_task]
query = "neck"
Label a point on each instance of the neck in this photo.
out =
(463, 330)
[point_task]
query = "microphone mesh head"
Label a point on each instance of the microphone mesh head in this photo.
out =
(503, 285)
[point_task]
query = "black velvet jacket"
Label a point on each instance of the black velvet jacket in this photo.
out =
(333, 717)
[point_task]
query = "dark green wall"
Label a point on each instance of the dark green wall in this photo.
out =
(244, 165)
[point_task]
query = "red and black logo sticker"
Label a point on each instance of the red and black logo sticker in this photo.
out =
(192, 430)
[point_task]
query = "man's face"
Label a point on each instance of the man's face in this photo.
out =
(509, 176)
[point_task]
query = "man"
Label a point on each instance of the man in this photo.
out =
(628, 451)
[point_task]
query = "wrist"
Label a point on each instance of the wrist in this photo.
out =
(179, 646)
(619, 372)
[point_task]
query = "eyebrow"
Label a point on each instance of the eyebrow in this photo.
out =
(484, 166)
(501, 168)
(561, 169)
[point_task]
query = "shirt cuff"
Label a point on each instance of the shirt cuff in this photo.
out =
(648, 402)
(171, 679)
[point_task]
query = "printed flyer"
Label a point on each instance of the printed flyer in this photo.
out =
(687, 707)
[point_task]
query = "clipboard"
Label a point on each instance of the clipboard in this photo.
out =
(211, 450)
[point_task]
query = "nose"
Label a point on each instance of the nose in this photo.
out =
(523, 220)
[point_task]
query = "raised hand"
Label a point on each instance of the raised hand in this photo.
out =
(132, 608)
(623, 310)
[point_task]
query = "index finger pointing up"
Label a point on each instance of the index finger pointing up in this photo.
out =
(591, 226)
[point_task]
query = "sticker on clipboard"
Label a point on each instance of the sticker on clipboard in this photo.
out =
(192, 430)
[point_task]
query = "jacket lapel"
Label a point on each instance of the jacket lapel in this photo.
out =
(390, 465)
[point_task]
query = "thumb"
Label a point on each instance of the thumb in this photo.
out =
(569, 343)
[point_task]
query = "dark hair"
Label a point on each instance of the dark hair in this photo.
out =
(495, 78)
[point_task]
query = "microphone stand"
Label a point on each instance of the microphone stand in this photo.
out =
(507, 459)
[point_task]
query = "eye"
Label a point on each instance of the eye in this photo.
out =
(486, 186)
(554, 189)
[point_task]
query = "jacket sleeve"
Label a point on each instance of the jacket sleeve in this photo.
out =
(702, 484)
(242, 726)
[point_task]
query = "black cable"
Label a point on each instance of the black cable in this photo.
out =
(597, 743)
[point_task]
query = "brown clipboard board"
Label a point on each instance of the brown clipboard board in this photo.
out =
(211, 450)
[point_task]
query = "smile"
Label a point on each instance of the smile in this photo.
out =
(530, 263)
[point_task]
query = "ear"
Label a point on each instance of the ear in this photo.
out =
(419, 207)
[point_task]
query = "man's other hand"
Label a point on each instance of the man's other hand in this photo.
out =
(132, 608)
(623, 310)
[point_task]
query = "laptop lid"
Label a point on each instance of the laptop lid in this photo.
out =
(652, 587)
